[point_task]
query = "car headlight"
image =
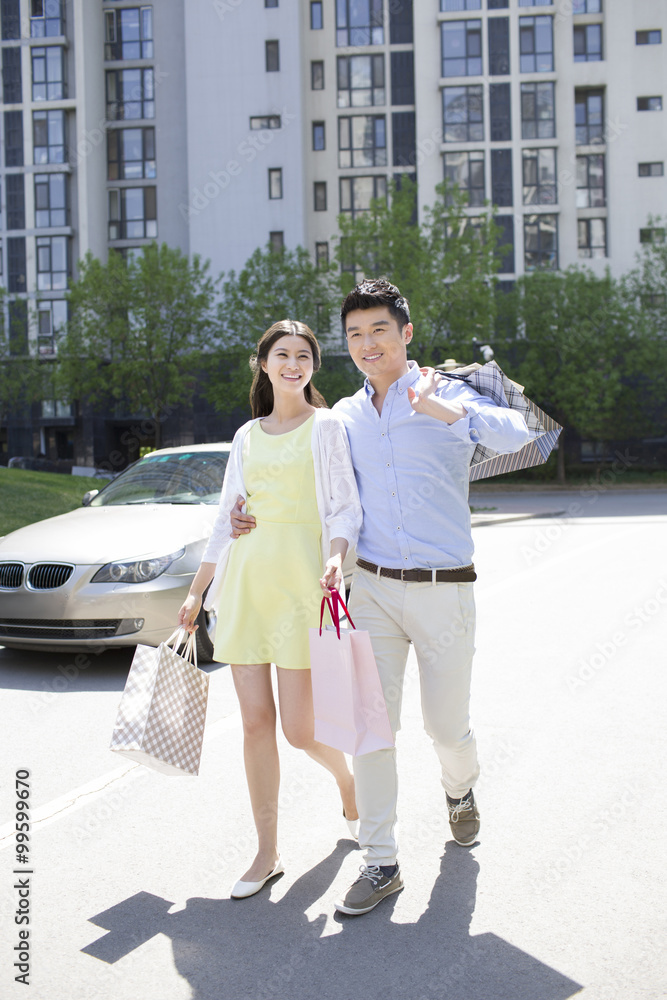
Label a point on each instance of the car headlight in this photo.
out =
(140, 571)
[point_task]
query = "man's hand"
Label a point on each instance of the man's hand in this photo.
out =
(426, 387)
(424, 400)
(332, 578)
(241, 523)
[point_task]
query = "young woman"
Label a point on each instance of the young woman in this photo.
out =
(292, 464)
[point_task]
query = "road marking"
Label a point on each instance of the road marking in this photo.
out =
(84, 794)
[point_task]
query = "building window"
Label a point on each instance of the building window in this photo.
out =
(51, 263)
(322, 254)
(590, 181)
(652, 235)
(12, 89)
(501, 112)
(270, 3)
(272, 56)
(13, 138)
(264, 122)
(16, 264)
(648, 37)
(277, 240)
(656, 169)
(497, 4)
(586, 6)
(540, 241)
(362, 141)
(588, 117)
(132, 213)
(592, 237)
(360, 81)
(402, 78)
(18, 327)
(357, 193)
(318, 136)
(499, 46)
(15, 189)
(51, 321)
(649, 104)
(359, 22)
(317, 75)
(463, 114)
(454, 5)
(539, 176)
(538, 114)
(323, 319)
(501, 177)
(505, 247)
(45, 18)
(130, 154)
(48, 82)
(50, 200)
(48, 136)
(535, 3)
(316, 17)
(400, 23)
(129, 33)
(404, 139)
(275, 183)
(588, 43)
(466, 170)
(130, 94)
(461, 48)
(320, 196)
(11, 19)
(536, 44)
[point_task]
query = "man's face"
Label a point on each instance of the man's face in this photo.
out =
(377, 344)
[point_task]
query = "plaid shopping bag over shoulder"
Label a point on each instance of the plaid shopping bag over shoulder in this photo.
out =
(490, 380)
(162, 712)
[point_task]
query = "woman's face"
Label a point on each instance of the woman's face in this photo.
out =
(289, 364)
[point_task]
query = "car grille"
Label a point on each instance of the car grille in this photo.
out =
(11, 576)
(48, 576)
(60, 628)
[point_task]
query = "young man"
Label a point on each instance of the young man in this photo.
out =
(412, 436)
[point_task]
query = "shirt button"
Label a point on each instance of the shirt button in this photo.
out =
(382, 433)
(393, 494)
(388, 465)
(398, 528)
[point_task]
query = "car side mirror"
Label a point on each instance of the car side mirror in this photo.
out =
(87, 497)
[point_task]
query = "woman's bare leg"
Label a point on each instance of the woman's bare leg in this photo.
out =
(296, 714)
(262, 767)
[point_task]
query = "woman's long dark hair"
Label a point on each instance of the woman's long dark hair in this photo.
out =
(261, 391)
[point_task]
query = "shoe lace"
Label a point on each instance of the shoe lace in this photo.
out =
(371, 872)
(458, 810)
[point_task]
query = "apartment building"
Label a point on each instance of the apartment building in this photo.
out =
(220, 125)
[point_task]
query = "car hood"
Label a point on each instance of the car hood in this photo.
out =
(92, 535)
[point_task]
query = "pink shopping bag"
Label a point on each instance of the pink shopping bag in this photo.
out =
(350, 710)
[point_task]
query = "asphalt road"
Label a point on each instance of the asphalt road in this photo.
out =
(564, 895)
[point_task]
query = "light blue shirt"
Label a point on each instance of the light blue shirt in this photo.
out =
(412, 471)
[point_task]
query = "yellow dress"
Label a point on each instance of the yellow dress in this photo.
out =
(271, 595)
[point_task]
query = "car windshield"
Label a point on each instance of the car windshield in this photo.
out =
(188, 477)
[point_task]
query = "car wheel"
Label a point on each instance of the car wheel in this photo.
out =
(205, 635)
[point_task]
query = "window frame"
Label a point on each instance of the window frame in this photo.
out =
(275, 178)
(118, 105)
(525, 89)
(587, 54)
(50, 242)
(49, 215)
(272, 55)
(474, 63)
(456, 6)
(316, 8)
(49, 116)
(475, 198)
(647, 98)
(588, 198)
(346, 67)
(598, 138)
(589, 248)
(319, 63)
(545, 192)
(377, 151)
(318, 135)
(474, 127)
(379, 181)
(532, 22)
(530, 220)
(120, 222)
(348, 35)
(42, 25)
(116, 137)
(116, 47)
(55, 88)
(644, 37)
(651, 173)
(320, 196)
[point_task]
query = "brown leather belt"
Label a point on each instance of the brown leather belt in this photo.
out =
(464, 574)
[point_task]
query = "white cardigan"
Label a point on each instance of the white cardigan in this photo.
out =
(335, 487)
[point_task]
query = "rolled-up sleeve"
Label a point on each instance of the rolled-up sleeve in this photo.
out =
(344, 515)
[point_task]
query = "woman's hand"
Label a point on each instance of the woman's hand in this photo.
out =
(332, 578)
(187, 616)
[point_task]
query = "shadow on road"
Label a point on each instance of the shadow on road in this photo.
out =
(256, 948)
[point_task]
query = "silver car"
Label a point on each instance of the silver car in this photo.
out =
(116, 571)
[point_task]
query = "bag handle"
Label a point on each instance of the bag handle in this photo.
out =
(179, 636)
(332, 603)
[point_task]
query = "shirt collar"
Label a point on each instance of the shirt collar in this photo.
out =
(411, 376)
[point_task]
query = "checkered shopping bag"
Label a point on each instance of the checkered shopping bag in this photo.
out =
(162, 712)
(490, 380)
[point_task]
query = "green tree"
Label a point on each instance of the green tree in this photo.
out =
(137, 330)
(444, 265)
(24, 377)
(575, 349)
(274, 285)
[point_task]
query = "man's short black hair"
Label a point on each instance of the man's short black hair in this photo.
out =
(370, 294)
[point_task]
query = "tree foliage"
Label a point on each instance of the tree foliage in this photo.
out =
(137, 330)
(24, 377)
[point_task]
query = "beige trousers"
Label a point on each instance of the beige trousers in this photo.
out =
(439, 619)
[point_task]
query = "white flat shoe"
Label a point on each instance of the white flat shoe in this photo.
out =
(353, 826)
(242, 889)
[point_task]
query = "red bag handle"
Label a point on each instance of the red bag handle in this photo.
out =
(332, 604)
